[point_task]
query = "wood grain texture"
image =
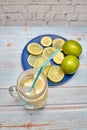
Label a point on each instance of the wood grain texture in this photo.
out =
(56, 96)
(44, 119)
(66, 107)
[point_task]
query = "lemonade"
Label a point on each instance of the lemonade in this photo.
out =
(37, 97)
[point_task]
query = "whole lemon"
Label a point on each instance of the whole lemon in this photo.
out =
(72, 47)
(70, 64)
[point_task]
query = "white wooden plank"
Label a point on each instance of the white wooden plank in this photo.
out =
(56, 96)
(44, 119)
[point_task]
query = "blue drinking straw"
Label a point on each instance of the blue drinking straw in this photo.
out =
(41, 68)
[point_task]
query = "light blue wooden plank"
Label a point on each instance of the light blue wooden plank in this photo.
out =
(56, 96)
(46, 119)
(26, 32)
(9, 76)
(15, 32)
(12, 59)
(17, 45)
(79, 78)
(63, 110)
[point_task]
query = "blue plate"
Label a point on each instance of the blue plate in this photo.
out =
(25, 55)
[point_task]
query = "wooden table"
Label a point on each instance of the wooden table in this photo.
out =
(66, 107)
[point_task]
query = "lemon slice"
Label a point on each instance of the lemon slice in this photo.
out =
(58, 58)
(58, 43)
(35, 49)
(39, 62)
(46, 69)
(46, 41)
(47, 52)
(55, 74)
(31, 59)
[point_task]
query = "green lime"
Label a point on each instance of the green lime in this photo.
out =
(35, 49)
(47, 52)
(55, 74)
(46, 41)
(58, 43)
(70, 64)
(72, 47)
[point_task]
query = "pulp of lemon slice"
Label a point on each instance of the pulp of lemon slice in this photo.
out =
(58, 43)
(34, 48)
(58, 58)
(46, 41)
(39, 62)
(55, 74)
(31, 59)
(46, 69)
(47, 52)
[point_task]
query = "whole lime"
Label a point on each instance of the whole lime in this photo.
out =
(72, 47)
(70, 64)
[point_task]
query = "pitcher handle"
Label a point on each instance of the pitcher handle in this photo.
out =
(13, 91)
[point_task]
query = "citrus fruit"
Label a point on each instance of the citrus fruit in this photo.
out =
(46, 41)
(47, 52)
(55, 74)
(46, 70)
(70, 64)
(31, 59)
(39, 62)
(72, 47)
(58, 43)
(35, 48)
(58, 58)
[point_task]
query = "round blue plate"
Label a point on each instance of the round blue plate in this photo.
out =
(25, 55)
